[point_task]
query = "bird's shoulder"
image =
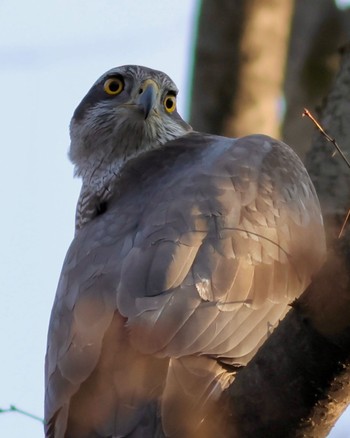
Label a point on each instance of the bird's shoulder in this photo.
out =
(199, 154)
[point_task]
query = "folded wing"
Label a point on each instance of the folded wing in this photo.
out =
(202, 247)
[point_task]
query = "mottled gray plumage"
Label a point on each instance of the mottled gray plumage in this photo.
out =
(188, 250)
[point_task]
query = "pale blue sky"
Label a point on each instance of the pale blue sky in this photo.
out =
(50, 54)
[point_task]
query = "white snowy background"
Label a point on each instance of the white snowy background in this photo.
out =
(51, 51)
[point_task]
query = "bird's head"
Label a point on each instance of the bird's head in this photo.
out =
(128, 110)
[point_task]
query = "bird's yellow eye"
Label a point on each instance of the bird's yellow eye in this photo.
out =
(170, 103)
(113, 86)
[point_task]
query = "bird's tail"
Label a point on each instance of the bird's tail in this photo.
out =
(193, 385)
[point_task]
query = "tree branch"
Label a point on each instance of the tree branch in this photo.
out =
(13, 408)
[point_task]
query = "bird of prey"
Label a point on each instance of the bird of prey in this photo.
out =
(188, 250)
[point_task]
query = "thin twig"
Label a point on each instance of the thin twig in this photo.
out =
(333, 141)
(344, 223)
(13, 408)
(324, 133)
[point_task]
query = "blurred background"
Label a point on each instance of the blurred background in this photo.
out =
(241, 66)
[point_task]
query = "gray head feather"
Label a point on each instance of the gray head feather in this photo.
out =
(112, 128)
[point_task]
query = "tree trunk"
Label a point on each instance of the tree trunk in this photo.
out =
(263, 53)
(216, 61)
(318, 30)
(239, 65)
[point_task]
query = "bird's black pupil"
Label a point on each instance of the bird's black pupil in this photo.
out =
(114, 86)
(169, 103)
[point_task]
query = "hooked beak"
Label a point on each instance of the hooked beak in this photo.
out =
(147, 99)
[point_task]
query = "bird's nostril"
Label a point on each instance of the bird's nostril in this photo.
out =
(140, 90)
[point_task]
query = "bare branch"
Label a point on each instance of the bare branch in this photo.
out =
(333, 141)
(13, 408)
(344, 224)
(327, 136)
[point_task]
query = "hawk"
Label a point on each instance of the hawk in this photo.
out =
(188, 250)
